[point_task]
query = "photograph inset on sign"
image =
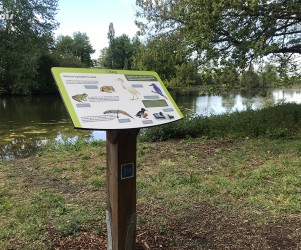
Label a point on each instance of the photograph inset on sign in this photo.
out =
(155, 103)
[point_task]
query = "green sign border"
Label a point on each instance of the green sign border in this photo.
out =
(57, 71)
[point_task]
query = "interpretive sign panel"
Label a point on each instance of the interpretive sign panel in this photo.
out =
(115, 99)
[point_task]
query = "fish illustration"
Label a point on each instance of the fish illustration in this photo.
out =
(80, 97)
(117, 112)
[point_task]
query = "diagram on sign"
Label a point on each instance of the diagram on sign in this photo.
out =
(97, 99)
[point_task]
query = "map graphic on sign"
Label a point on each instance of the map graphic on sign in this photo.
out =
(102, 99)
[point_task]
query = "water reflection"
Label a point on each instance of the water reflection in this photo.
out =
(207, 105)
(25, 141)
(26, 123)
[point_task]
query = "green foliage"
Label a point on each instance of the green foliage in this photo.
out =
(232, 31)
(119, 54)
(82, 48)
(226, 77)
(186, 75)
(282, 121)
(24, 39)
(158, 55)
(269, 75)
(111, 33)
(165, 56)
(189, 127)
(229, 77)
(64, 45)
(44, 76)
(249, 78)
(76, 50)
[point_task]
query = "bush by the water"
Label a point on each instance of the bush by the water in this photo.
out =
(281, 121)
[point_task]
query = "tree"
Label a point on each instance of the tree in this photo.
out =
(25, 37)
(111, 34)
(232, 31)
(119, 54)
(102, 61)
(249, 78)
(83, 48)
(76, 48)
(64, 45)
(186, 75)
(227, 76)
(111, 37)
(171, 61)
(122, 52)
(269, 75)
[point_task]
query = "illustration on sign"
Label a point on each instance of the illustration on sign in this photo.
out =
(107, 99)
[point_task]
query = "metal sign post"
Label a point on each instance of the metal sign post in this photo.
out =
(120, 102)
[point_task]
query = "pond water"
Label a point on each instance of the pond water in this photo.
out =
(27, 122)
(206, 105)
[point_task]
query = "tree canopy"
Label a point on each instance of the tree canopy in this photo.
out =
(233, 31)
(78, 47)
(119, 54)
(24, 37)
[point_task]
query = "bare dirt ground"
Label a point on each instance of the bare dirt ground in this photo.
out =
(204, 228)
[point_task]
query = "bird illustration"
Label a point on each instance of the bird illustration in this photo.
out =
(131, 90)
(157, 90)
(142, 113)
(117, 112)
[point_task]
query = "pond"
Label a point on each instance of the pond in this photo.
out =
(28, 122)
(206, 105)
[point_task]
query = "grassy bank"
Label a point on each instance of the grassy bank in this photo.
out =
(227, 192)
(281, 121)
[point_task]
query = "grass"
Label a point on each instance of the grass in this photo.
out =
(244, 175)
(54, 191)
(193, 193)
(281, 121)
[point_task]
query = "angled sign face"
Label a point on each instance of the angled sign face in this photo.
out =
(101, 99)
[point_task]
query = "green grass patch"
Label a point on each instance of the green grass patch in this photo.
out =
(256, 177)
(58, 192)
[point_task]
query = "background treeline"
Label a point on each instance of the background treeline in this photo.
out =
(215, 43)
(28, 48)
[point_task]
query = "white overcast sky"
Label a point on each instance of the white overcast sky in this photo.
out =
(94, 16)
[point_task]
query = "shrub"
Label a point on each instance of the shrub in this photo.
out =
(281, 121)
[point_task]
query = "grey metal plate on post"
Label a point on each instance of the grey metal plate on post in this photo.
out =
(109, 231)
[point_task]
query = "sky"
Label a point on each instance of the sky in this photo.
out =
(93, 18)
